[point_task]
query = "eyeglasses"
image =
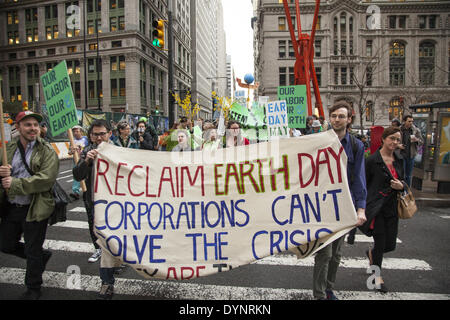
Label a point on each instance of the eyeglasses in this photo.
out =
(341, 116)
(99, 134)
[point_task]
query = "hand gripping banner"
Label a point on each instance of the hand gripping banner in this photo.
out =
(182, 215)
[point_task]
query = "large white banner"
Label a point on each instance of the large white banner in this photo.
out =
(183, 215)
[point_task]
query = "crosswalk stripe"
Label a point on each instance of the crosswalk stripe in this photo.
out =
(187, 291)
(363, 238)
(63, 172)
(65, 177)
(281, 259)
(445, 217)
(72, 224)
(78, 209)
(355, 263)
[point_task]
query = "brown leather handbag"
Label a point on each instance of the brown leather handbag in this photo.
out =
(406, 204)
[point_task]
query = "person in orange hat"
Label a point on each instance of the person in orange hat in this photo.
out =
(26, 199)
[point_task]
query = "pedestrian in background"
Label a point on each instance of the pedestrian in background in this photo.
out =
(143, 138)
(124, 138)
(327, 259)
(234, 135)
(183, 141)
(384, 175)
(80, 142)
(315, 127)
(26, 199)
(411, 139)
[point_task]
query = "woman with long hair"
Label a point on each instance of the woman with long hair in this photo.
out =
(384, 178)
(234, 135)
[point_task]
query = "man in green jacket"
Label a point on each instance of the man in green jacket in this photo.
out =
(26, 200)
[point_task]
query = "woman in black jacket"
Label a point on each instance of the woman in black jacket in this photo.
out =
(384, 175)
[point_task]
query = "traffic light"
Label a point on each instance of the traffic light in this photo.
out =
(158, 33)
(25, 105)
(156, 110)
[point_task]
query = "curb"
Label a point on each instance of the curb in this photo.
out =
(433, 202)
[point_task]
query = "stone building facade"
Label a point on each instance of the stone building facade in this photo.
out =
(131, 73)
(381, 56)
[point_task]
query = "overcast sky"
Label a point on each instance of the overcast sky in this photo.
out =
(239, 32)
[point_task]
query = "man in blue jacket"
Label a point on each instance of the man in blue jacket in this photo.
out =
(328, 258)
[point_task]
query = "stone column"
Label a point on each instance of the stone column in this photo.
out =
(106, 82)
(132, 76)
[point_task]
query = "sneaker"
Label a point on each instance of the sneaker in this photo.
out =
(97, 254)
(330, 295)
(106, 292)
(31, 294)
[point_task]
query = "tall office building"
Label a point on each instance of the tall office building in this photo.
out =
(390, 54)
(131, 73)
(208, 53)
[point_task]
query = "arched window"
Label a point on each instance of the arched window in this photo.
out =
(426, 63)
(396, 107)
(397, 64)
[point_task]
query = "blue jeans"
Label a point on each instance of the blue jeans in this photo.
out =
(408, 166)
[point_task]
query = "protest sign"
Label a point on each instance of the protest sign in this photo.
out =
(297, 104)
(58, 95)
(277, 119)
(189, 214)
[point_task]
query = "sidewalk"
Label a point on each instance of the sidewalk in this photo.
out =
(428, 196)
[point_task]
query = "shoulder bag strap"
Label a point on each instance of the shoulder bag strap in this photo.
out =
(22, 155)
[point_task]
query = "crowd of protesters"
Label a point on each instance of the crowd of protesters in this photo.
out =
(372, 182)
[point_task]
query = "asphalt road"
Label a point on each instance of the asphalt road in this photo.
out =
(417, 269)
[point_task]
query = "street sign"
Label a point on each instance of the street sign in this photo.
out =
(58, 95)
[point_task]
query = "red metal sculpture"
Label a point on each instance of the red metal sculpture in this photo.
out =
(304, 53)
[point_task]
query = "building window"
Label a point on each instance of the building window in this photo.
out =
(317, 48)
(426, 63)
(369, 111)
(72, 49)
(114, 92)
(343, 75)
(397, 64)
(122, 87)
(282, 49)
(281, 24)
(282, 76)
(291, 50)
(319, 75)
(369, 48)
(291, 76)
(396, 108)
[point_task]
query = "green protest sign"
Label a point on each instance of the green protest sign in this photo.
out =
(297, 105)
(239, 113)
(58, 95)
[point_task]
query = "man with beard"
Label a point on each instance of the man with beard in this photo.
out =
(26, 199)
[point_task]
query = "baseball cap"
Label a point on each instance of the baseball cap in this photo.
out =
(24, 114)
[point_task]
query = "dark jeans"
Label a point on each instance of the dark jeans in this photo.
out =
(408, 166)
(90, 216)
(384, 236)
(107, 275)
(12, 226)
